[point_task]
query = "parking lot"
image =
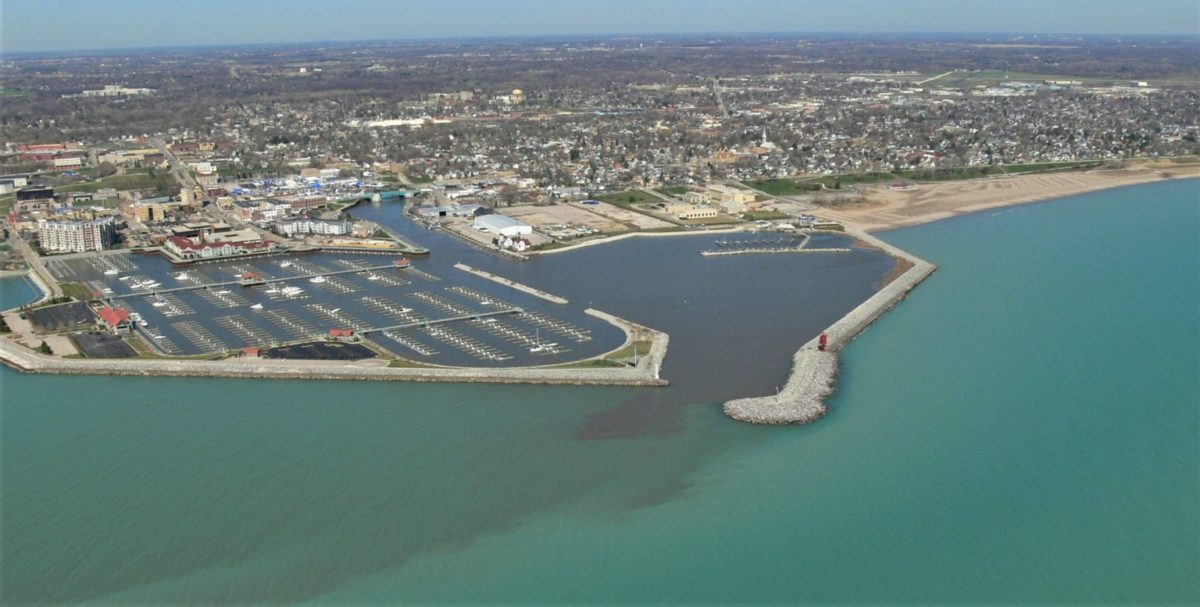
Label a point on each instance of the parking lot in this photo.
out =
(64, 317)
(95, 344)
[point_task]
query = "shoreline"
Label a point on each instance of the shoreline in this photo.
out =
(810, 381)
(934, 201)
(625, 235)
(813, 376)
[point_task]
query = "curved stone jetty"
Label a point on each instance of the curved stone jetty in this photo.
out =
(814, 372)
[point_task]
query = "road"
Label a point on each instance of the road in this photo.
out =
(938, 77)
(35, 263)
(716, 86)
(182, 175)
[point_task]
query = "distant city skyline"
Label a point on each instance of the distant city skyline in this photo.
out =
(36, 26)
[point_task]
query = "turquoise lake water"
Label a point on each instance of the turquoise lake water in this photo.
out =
(1024, 428)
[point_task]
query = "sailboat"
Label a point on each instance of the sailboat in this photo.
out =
(540, 347)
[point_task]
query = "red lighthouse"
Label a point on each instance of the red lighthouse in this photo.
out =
(823, 342)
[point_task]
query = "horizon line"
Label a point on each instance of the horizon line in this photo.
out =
(4, 53)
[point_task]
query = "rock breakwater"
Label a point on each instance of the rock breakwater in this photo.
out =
(814, 371)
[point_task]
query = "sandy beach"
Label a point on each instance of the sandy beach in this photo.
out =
(886, 208)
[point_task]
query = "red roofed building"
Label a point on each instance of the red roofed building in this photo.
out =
(115, 318)
(341, 334)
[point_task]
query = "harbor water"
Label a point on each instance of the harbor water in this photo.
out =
(1024, 428)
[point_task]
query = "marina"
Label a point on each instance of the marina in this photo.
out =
(759, 246)
(221, 309)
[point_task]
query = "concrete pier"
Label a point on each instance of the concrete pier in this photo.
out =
(813, 375)
(511, 284)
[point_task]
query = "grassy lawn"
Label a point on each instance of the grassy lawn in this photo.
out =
(76, 290)
(629, 200)
(784, 187)
(764, 215)
(619, 358)
(6, 203)
(629, 197)
(673, 190)
(134, 181)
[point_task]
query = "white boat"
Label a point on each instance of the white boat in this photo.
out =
(152, 284)
(158, 304)
(256, 306)
(539, 347)
(160, 337)
(221, 292)
(372, 277)
(181, 276)
(317, 279)
(124, 278)
(291, 291)
(112, 271)
(285, 264)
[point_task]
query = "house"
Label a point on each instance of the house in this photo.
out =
(115, 318)
(341, 334)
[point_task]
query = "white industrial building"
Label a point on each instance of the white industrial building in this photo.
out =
(77, 236)
(502, 225)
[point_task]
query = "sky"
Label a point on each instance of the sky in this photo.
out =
(50, 25)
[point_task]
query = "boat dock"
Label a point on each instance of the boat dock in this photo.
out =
(441, 321)
(761, 246)
(252, 282)
(511, 284)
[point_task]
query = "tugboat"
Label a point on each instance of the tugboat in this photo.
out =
(403, 262)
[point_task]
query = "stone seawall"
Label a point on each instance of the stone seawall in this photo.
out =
(25, 360)
(646, 373)
(814, 372)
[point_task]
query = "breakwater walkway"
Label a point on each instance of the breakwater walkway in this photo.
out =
(645, 373)
(814, 372)
(511, 284)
